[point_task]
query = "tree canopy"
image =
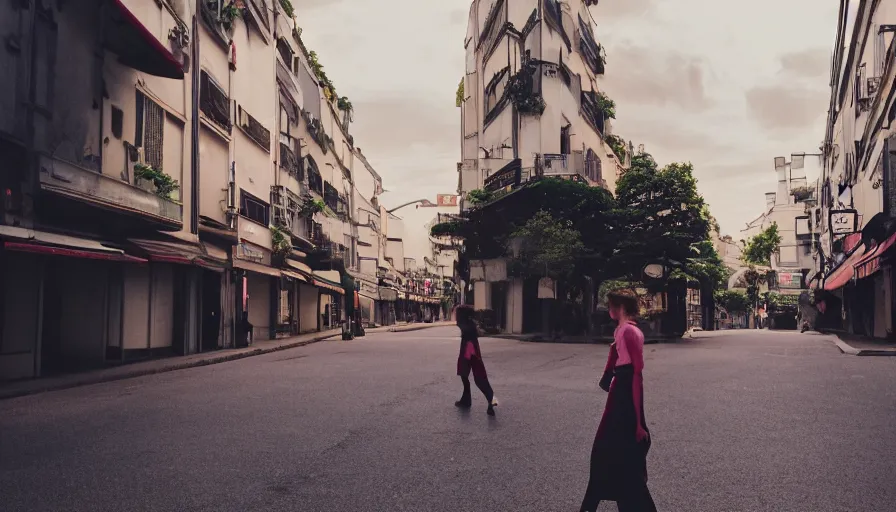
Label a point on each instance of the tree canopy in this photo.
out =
(733, 301)
(760, 248)
(548, 246)
(660, 215)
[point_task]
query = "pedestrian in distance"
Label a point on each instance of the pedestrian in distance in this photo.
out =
(619, 454)
(470, 361)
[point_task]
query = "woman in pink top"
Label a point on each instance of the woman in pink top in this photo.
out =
(469, 360)
(619, 454)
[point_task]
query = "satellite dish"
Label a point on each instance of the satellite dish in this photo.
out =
(654, 270)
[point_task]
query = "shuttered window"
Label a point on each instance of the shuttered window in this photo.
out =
(150, 130)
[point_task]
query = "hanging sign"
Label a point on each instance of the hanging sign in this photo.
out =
(508, 176)
(446, 200)
(844, 222)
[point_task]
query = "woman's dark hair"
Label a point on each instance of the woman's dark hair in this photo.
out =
(463, 314)
(625, 299)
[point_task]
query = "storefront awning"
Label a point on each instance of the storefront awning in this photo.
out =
(258, 268)
(42, 242)
(179, 253)
(70, 252)
(301, 267)
(845, 272)
(870, 263)
(328, 285)
(136, 46)
(294, 275)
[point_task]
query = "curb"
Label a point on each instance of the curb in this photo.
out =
(100, 379)
(850, 350)
(419, 328)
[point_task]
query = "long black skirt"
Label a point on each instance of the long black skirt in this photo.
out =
(618, 460)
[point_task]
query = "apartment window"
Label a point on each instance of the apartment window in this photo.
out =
(285, 52)
(564, 140)
(117, 123)
(254, 208)
(150, 130)
(214, 102)
(494, 91)
(349, 257)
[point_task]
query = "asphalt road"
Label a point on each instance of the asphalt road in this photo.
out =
(741, 421)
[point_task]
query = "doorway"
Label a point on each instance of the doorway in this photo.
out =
(211, 310)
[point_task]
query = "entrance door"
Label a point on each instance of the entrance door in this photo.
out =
(211, 310)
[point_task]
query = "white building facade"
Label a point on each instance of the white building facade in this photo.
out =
(531, 102)
(857, 200)
(531, 108)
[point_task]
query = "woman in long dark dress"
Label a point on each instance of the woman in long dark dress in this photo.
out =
(619, 455)
(470, 360)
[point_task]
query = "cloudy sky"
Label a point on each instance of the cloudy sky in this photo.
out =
(725, 85)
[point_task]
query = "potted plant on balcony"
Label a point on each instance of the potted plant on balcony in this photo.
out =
(164, 185)
(281, 244)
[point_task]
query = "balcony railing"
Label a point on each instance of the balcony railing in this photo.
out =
(256, 130)
(592, 112)
(557, 164)
(69, 180)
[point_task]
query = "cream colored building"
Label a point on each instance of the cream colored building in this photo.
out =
(103, 261)
(532, 108)
(857, 187)
(523, 56)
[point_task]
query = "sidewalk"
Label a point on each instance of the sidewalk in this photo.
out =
(856, 345)
(406, 327)
(127, 371)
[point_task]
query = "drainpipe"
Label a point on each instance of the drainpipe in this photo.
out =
(194, 127)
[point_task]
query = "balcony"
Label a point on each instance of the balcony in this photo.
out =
(71, 181)
(592, 112)
(573, 166)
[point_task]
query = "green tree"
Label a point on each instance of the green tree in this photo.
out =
(752, 280)
(660, 215)
(733, 301)
(548, 246)
(459, 96)
(479, 196)
(618, 145)
(706, 265)
(760, 248)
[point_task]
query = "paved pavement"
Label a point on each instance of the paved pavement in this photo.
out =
(742, 421)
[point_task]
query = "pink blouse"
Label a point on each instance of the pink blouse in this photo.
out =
(629, 343)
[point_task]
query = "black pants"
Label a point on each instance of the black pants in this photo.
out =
(639, 501)
(481, 383)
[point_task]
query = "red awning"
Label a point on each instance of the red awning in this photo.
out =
(176, 252)
(327, 285)
(844, 273)
(870, 263)
(73, 253)
(136, 46)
